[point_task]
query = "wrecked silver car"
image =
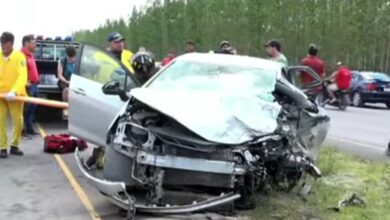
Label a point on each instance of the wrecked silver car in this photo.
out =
(206, 131)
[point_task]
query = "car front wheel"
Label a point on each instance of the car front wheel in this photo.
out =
(357, 99)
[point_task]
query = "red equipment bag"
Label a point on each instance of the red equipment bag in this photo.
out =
(62, 143)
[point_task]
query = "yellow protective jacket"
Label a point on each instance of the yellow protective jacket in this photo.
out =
(126, 59)
(13, 73)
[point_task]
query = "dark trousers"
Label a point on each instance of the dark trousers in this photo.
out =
(29, 117)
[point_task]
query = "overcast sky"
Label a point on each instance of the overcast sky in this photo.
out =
(60, 17)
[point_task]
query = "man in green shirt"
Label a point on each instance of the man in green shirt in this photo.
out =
(274, 49)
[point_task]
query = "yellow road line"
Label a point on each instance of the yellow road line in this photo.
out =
(74, 183)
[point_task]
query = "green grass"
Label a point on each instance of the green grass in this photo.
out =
(342, 174)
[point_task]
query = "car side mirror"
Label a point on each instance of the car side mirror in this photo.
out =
(114, 88)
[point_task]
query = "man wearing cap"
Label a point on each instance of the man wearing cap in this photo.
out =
(314, 62)
(13, 80)
(117, 48)
(274, 50)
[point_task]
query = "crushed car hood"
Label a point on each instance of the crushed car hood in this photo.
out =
(227, 117)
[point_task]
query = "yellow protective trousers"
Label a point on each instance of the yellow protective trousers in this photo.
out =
(15, 108)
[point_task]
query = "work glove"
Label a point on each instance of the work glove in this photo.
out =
(10, 96)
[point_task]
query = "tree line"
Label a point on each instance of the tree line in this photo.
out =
(356, 32)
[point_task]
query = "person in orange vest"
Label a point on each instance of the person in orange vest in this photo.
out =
(13, 81)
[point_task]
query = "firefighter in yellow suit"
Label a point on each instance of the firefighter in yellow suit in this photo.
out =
(13, 81)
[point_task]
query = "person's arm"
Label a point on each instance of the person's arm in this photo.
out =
(323, 74)
(21, 81)
(60, 73)
(333, 76)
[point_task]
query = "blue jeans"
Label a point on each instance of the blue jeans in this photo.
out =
(30, 109)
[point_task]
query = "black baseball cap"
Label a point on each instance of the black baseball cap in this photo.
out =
(274, 43)
(7, 37)
(115, 36)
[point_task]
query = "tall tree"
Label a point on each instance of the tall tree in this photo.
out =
(356, 32)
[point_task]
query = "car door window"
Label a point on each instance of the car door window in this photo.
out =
(303, 78)
(99, 66)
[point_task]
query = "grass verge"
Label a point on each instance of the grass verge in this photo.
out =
(342, 174)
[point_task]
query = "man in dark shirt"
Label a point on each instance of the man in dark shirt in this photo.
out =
(314, 62)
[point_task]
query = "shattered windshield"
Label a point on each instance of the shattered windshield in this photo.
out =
(215, 78)
(233, 103)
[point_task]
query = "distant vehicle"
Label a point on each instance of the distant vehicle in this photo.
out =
(370, 87)
(47, 54)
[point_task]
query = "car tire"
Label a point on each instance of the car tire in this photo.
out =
(320, 100)
(343, 102)
(357, 100)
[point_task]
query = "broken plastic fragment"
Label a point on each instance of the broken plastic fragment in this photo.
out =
(351, 199)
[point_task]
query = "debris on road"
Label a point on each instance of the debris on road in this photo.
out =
(350, 199)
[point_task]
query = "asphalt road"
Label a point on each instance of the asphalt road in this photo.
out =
(361, 131)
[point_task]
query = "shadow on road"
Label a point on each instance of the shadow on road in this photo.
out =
(377, 106)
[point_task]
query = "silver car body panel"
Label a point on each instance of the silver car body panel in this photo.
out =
(90, 110)
(107, 187)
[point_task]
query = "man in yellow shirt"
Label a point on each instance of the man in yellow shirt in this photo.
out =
(117, 48)
(13, 81)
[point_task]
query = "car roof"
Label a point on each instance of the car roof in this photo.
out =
(235, 60)
(369, 74)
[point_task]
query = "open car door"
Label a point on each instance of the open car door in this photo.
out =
(304, 78)
(90, 110)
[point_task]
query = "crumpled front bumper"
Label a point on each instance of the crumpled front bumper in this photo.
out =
(116, 193)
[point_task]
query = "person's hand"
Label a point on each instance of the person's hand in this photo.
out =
(28, 84)
(10, 96)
